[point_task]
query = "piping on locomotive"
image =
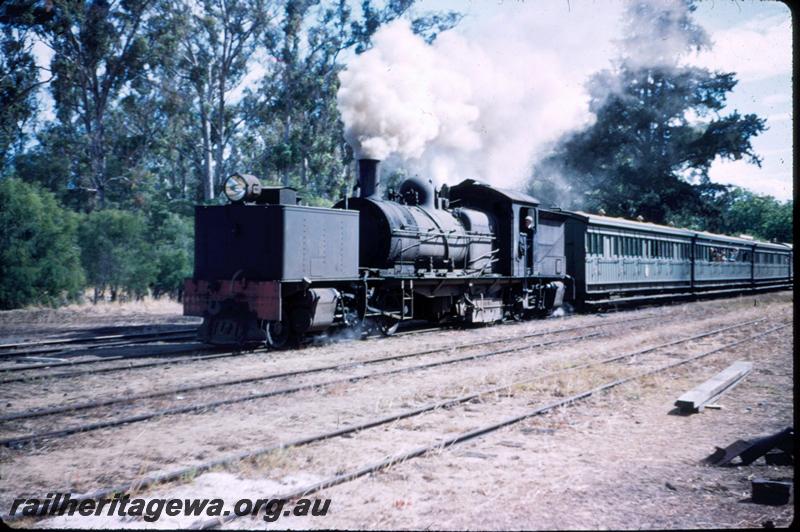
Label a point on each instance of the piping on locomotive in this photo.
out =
(268, 269)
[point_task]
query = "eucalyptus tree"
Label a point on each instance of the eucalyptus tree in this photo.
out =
(215, 56)
(659, 126)
(101, 50)
(295, 134)
(19, 81)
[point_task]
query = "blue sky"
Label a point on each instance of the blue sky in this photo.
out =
(751, 38)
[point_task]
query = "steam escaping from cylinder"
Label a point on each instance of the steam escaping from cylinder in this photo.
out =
(483, 104)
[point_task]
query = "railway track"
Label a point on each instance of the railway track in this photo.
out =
(128, 367)
(90, 342)
(17, 441)
(41, 412)
(51, 357)
(444, 443)
(177, 360)
(183, 473)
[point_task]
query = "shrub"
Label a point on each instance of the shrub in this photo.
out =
(39, 255)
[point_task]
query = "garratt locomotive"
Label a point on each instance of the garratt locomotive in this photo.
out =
(268, 269)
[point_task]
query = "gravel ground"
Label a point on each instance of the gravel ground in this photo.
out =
(618, 460)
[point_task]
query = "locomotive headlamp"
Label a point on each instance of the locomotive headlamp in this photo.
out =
(242, 187)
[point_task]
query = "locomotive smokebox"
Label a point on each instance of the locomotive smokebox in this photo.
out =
(368, 179)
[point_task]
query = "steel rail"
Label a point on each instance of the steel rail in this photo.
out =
(92, 339)
(476, 433)
(146, 365)
(20, 440)
(87, 351)
(14, 369)
(185, 472)
(39, 412)
(176, 360)
(202, 347)
(78, 349)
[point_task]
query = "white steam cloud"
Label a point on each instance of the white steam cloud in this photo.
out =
(481, 104)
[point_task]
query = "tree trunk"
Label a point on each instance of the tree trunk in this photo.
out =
(97, 154)
(286, 135)
(208, 178)
(218, 164)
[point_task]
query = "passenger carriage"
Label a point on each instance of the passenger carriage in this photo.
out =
(612, 260)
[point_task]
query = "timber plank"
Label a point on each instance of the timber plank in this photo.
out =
(696, 398)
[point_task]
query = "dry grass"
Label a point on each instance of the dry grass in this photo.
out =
(77, 313)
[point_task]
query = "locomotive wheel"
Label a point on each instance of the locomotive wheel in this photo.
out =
(277, 334)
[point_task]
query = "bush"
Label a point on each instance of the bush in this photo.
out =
(39, 255)
(115, 253)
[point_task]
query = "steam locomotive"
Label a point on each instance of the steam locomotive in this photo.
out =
(269, 270)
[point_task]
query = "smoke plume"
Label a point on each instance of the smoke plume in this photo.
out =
(482, 102)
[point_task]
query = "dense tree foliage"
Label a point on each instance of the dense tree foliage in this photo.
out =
(19, 79)
(658, 128)
(154, 102)
(146, 105)
(39, 256)
(737, 211)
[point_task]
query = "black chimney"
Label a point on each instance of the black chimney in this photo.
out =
(368, 179)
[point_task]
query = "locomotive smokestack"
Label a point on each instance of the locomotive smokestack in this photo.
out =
(368, 179)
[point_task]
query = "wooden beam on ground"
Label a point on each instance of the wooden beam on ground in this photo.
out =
(695, 400)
